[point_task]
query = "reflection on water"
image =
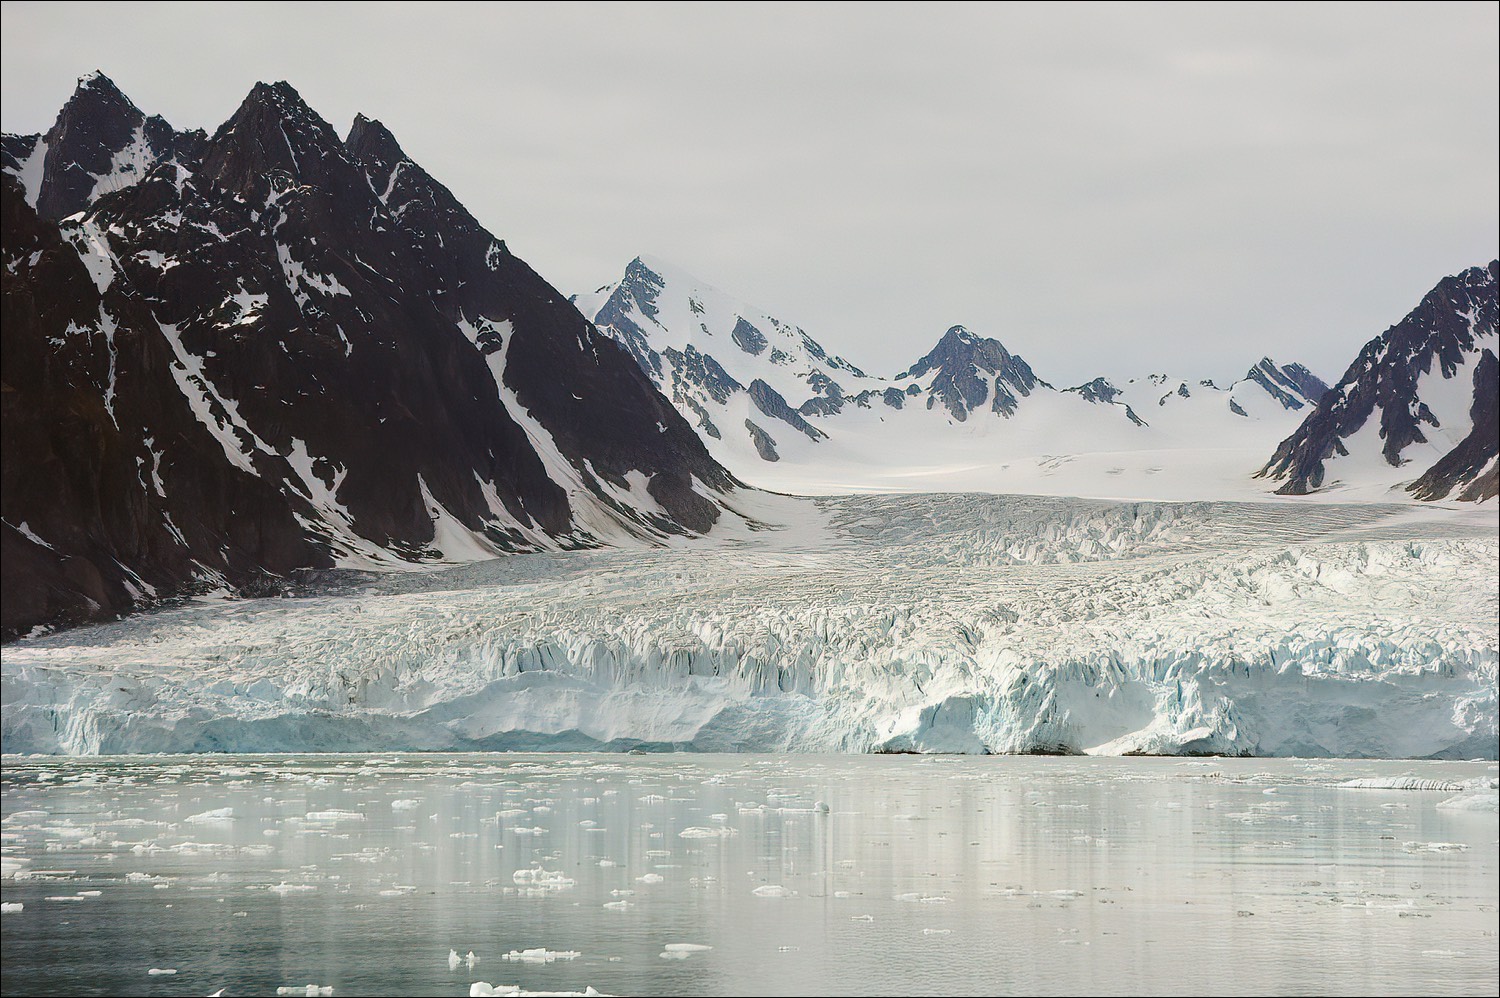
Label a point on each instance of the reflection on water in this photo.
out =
(821, 875)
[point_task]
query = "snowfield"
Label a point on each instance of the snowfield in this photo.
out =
(926, 623)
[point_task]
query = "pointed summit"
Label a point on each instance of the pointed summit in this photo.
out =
(965, 362)
(273, 141)
(370, 142)
(100, 143)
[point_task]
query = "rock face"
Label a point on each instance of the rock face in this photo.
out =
(272, 350)
(1421, 396)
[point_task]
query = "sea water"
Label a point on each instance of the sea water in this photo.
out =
(746, 874)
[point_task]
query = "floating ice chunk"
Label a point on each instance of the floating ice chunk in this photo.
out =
(12, 907)
(650, 878)
(470, 960)
(545, 879)
(484, 989)
(405, 805)
(699, 832)
(681, 951)
(334, 815)
(210, 817)
(618, 905)
(1472, 802)
(284, 888)
(820, 807)
(454, 959)
(1399, 783)
(937, 932)
(1434, 846)
(161, 972)
(310, 990)
(540, 954)
(773, 891)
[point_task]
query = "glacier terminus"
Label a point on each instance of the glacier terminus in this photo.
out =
(926, 623)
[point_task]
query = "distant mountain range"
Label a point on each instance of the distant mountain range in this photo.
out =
(761, 390)
(232, 357)
(773, 405)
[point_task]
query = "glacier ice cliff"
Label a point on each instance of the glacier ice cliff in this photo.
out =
(922, 623)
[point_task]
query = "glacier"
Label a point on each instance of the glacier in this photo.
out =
(956, 623)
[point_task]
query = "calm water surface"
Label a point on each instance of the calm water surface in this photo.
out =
(923, 876)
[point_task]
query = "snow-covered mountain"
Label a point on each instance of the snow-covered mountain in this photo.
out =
(778, 409)
(230, 358)
(1417, 407)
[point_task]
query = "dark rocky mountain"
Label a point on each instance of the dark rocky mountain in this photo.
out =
(1421, 394)
(100, 143)
(966, 368)
(272, 350)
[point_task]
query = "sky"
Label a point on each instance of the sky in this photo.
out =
(1113, 189)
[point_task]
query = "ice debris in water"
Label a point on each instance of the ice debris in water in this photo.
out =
(540, 954)
(681, 951)
(1472, 802)
(310, 990)
(773, 891)
(1399, 783)
(538, 879)
(334, 816)
(210, 817)
(484, 989)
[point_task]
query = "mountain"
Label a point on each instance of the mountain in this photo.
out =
(232, 358)
(778, 409)
(1417, 406)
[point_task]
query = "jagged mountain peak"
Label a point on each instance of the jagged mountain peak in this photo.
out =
(272, 138)
(965, 363)
(100, 142)
(95, 90)
(369, 139)
(1422, 392)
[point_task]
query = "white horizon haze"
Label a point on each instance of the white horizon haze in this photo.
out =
(1107, 189)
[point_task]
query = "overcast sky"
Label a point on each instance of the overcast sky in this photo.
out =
(1111, 189)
